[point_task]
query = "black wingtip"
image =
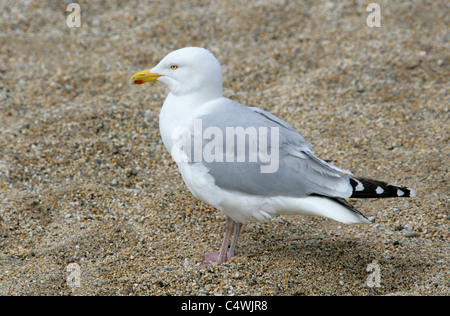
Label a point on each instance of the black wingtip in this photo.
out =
(367, 188)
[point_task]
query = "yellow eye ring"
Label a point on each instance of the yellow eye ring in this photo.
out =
(173, 67)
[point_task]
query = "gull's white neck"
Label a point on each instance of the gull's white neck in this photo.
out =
(181, 111)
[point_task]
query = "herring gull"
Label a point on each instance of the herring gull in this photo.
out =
(244, 161)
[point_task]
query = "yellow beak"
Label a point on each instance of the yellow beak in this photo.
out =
(143, 76)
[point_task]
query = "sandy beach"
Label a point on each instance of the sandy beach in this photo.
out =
(91, 202)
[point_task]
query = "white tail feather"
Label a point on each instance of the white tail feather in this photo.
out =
(324, 207)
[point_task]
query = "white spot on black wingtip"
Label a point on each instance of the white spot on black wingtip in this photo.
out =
(379, 190)
(359, 187)
(400, 192)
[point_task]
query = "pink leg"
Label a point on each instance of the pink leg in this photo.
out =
(237, 229)
(222, 256)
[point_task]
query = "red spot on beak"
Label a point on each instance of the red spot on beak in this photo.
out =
(139, 82)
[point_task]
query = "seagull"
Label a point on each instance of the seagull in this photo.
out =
(244, 161)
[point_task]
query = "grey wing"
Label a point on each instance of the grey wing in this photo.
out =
(285, 164)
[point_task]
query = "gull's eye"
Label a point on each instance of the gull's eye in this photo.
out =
(173, 67)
